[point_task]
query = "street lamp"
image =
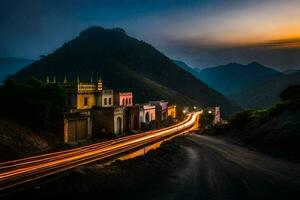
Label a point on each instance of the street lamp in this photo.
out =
(195, 107)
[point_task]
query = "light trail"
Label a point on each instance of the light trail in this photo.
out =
(17, 172)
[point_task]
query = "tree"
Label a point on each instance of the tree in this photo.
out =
(291, 93)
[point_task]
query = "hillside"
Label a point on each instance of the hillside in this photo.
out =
(234, 77)
(125, 63)
(187, 68)
(9, 66)
(266, 94)
(274, 130)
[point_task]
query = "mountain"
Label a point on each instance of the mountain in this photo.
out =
(9, 66)
(235, 77)
(187, 68)
(126, 64)
(290, 71)
(267, 93)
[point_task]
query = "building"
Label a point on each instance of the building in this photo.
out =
(105, 98)
(108, 120)
(216, 112)
(123, 99)
(77, 127)
(171, 111)
(132, 118)
(161, 108)
(147, 113)
(81, 96)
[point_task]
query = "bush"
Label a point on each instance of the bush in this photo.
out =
(291, 93)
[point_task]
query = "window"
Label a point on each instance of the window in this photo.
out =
(109, 101)
(85, 101)
(129, 100)
(69, 101)
(126, 101)
(105, 101)
(123, 102)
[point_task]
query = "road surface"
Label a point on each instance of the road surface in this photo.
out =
(19, 172)
(216, 169)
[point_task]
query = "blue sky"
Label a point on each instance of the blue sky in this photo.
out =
(201, 33)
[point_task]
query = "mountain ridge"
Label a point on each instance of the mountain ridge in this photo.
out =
(10, 65)
(234, 77)
(266, 94)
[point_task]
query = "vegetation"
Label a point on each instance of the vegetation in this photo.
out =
(33, 103)
(292, 93)
(274, 130)
(266, 94)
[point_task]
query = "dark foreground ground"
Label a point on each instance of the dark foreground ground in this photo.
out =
(192, 167)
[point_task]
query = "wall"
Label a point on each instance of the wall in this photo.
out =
(91, 101)
(172, 111)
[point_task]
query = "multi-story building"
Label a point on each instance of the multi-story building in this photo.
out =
(88, 107)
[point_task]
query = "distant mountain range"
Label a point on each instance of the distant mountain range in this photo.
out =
(9, 66)
(250, 86)
(266, 94)
(234, 77)
(126, 64)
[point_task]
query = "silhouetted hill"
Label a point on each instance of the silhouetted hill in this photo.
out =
(126, 64)
(267, 93)
(234, 77)
(9, 66)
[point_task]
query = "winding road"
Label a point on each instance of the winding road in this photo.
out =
(216, 169)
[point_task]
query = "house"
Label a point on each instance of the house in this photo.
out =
(105, 98)
(216, 112)
(132, 118)
(171, 111)
(123, 99)
(147, 113)
(108, 120)
(161, 108)
(80, 95)
(77, 127)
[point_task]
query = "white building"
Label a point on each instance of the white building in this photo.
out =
(147, 113)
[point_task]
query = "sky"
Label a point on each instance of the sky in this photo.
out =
(202, 33)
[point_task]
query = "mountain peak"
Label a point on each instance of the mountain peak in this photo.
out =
(254, 63)
(91, 30)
